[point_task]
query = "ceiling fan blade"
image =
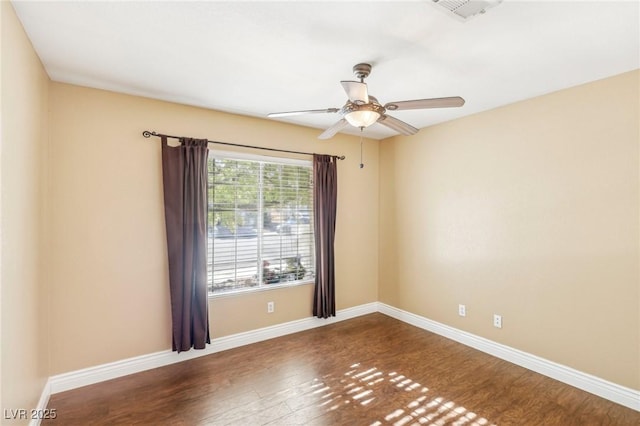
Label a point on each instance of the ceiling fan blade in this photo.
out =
(397, 125)
(309, 111)
(356, 91)
(331, 131)
(454, 101)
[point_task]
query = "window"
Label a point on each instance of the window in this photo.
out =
(260, 222)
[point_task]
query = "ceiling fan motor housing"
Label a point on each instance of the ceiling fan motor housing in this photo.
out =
(371, 106)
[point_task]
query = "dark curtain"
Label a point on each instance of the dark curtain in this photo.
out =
(184, 175)
(325, 179)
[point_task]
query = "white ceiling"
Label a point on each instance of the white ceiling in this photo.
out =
(257, 57)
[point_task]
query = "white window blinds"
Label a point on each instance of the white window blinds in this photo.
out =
(260, 223)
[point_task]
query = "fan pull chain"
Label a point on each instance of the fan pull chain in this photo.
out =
(361, 163)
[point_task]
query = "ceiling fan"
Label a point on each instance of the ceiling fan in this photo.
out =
(362, 109)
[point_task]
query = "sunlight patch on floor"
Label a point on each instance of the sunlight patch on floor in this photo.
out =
(364, 385)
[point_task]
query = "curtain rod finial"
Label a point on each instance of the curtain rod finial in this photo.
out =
(147, 134)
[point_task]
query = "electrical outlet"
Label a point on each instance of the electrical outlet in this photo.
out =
(497, 321)
(462, 310)
(270, 307)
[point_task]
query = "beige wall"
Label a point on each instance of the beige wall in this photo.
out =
(109, 291)
(529, 211)
(25, 344)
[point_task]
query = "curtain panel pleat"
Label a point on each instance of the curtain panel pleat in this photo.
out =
(325, 196)
(184, 173)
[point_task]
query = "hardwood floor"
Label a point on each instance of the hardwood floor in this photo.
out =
(371, 370)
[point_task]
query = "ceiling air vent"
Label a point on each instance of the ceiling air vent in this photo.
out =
(465, 9)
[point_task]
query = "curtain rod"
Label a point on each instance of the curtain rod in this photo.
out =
(148, 134)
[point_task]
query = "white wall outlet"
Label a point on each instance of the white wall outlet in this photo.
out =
(271, 307)
(462, 310)
(497, 321)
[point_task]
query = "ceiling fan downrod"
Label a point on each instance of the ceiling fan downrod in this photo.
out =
(362, 71)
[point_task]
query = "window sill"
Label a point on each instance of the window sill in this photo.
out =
(265, 287)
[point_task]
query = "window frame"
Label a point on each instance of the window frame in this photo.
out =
(243, 156)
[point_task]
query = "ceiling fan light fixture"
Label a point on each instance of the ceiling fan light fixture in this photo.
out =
(362, 118)
(362, 115)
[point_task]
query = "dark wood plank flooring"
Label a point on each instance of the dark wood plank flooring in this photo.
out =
(371, 370)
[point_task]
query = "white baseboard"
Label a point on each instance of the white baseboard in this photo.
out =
(112, 370)
(42, 403)
(595, 385)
